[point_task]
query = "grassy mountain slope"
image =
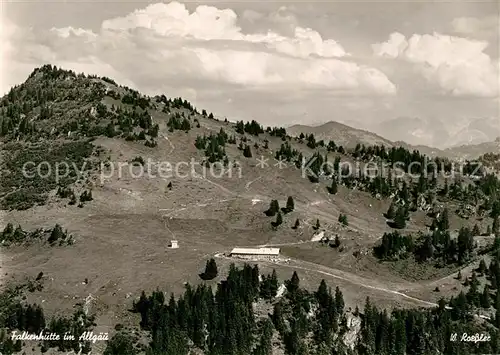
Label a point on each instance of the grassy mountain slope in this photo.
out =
(122, 232)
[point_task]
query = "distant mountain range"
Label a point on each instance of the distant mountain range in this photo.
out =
(445, 133)
(349, 137)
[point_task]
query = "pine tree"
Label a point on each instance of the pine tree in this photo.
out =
(339, 300)
(279, 220)
(485, 298)
(120, 344)
(337, 241)
(247, 152)
(391, 212)
(290, 205)
(57, 233)
(495, 229)
(497, 306)
(297, 224)
(333, 189)
(444, 222)
(274, 283)
(482, 267)
(317, 226)
(322, 294)
(274, 208)
(472, 294)
(476, 231)
(293, 284)
(210, 270)
(400, 218)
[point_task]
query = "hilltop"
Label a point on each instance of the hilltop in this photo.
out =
(343, 134)
(136, 172)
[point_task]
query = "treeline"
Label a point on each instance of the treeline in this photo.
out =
(422, 331)
(18, 235)
(412, 162)
(220, 323)
(19, 316)
(301, 322)
(437, 245)
(214, 146)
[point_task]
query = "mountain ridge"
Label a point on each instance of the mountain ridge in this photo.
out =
(350, 136)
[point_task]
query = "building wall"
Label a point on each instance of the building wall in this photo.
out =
(254, 257)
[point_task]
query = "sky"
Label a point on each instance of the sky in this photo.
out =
(423, 72)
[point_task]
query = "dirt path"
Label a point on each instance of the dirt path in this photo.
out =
(341, 275)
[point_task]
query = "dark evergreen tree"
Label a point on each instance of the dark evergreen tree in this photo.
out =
(391, 212)
(343, 219)
(120, 344)
(290, 205)
(485, 298)
(274, 208)
(247, 152)
(400, 218)
(210, 270)
(482, 267)
(279, 220)
(333, 188)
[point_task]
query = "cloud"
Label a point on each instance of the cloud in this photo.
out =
(457, 65)
(166, 42)
(209, 23)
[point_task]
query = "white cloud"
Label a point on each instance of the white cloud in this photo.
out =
(210, 23)
(458, 65)
(166, 43)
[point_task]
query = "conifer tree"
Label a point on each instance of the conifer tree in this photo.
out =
(444, 222)
(274, 208)
(210, 270)
(482, 267)
(339, 300)
(333, 188)
(343, 219)
(337, 241)
(400, 218)
(290, 205)
(485, 298)
(279, 220)
(476, 231)
(57, 233)
(274, 283)
(497, 306)
(247, 152)
(495, 229)
(120, 344)
(293, 284)
(391, 212)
